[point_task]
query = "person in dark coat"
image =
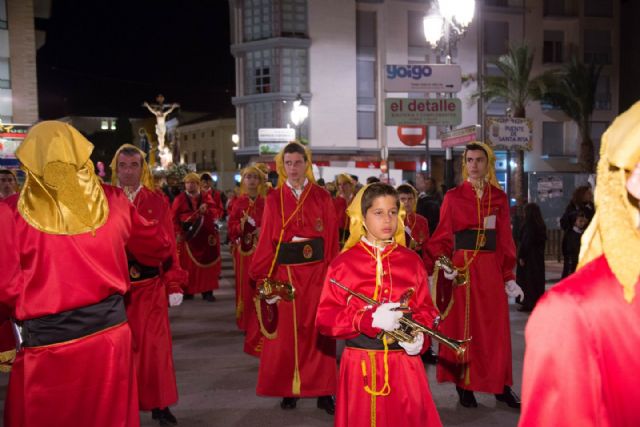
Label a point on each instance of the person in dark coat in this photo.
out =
(429, 200)
(571, 243)
(530, 271)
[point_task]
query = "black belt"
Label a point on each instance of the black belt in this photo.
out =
(74, 324)
(364, 342)
(138, 272)
(304, 252)
(466, 239)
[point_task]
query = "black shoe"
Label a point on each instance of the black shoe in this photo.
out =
(429, 357)
(289, 403)
(467, 398)
(327, 403)
(208, 296)
(164, 417)
(187, 296)
(509, 397)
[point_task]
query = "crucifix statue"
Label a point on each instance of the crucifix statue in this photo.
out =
(161, 111)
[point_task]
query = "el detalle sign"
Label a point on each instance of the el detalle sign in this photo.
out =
(426, 112)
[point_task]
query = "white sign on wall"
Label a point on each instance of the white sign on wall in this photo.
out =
(276, 134)
(422, 78)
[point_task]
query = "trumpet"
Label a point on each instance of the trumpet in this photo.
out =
(270, 288)
(446, 264)
(409, 328)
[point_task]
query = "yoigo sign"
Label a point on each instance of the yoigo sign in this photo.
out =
(423, 78)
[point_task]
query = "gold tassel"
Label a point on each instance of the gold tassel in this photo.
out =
(267, 335)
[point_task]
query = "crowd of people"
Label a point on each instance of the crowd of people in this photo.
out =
(90, 271)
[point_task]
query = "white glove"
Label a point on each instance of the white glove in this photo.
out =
(251, 221)
(386, 319)
(513, 289)
(450, 276)
(413, 348)
(175, 299)
(273, 300)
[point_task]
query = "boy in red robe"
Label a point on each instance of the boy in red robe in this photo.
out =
(475, 233)
(194, 215)
(299, 238)
(147, 301)
(416, 226)
(64, 274)
(581, 361)
(346, 189)
(244, 227)
(379, 381)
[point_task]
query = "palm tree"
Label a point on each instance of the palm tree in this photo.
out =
(572, 89)
(517, 88)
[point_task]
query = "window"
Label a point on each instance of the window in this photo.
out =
(294, 18)
(258, 19)
(294, 70)
(560, 8)
(259, 115)
(552, 50)
(193, 136)
(366, 74)
(185, 157)
(602, 8)
(603, 94)
(213, 156)
(258, 71)
(5, 75)
(497, 107)
(496, 37)
(553, 139)
(499, 3)
(597, 46)
(213, 133)
(185, 137)
(194, 158)
(104, 124)
(204, 158)
(3, 14)
(112, 124)
(419, 49)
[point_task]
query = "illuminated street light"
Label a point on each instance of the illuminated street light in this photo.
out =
(299, 112)
(236, 140)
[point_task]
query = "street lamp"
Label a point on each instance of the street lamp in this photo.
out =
(299, 114)
(236, 140)
(443, 27)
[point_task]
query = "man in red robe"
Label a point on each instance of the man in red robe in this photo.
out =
(147, 301)
(299, 238)
(8, 183)
(64, 274)
(346, 188)
(194, 215)
(581, 361)
(244, 226)
(475, 233)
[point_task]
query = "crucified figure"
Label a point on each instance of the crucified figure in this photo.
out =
(159, 111)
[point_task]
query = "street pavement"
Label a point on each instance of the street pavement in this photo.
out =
(216, 380)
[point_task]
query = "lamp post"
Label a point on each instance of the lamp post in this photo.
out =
(443, 27)
(299, 114)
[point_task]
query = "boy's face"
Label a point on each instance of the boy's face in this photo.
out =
(408, 201)
(581, 222)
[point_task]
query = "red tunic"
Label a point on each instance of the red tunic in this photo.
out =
(245, 287)
(88, 381)
(410, 397)
(298, 343)
(487, 365)
(200, 256)
(581, 362)
(149, 317)
(418, 231)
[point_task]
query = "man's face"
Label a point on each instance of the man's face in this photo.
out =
(420, 183)
(251, 181)
(8, 184)
(191, 187)
(408, 201)
(345, 188)
(205, 185)
(295, 166)
(129, 170)
(477, 164)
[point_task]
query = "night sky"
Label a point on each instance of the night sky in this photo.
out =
(105, 57)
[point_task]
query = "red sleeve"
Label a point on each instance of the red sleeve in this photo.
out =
(11, 277)
(148, 242)
(338, 315)
(332, 236)
(265, 251)
(233, 223)
(561, 386)
(217, 210)
(179, 212)
(441, 243)
(506, 246)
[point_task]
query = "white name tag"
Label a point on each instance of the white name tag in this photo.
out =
(490, 222)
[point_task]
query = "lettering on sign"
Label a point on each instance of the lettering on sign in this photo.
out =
(406, 111)
(423, 78)
(509, 133)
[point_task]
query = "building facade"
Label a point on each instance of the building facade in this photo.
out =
(334, 52)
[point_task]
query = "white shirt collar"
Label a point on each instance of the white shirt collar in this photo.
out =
(298, 193)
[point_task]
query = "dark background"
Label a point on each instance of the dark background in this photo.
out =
(105, 58)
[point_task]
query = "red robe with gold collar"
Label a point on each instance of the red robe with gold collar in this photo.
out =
(298, 362)
(487, 364)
